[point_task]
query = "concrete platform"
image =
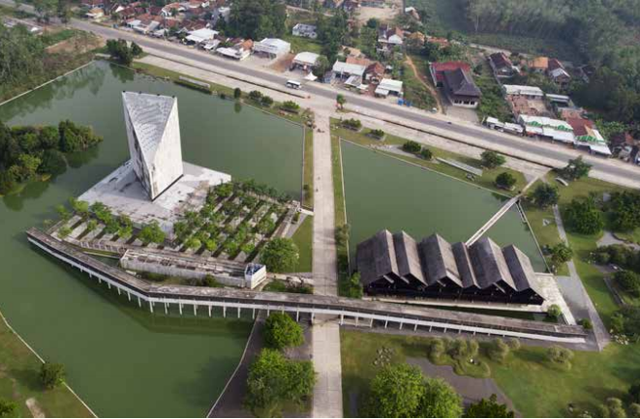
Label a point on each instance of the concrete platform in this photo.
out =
(123, 193)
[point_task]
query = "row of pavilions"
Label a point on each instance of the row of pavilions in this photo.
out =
(397, 265)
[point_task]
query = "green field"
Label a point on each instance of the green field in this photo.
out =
(303, 238)
(19, 381)
(536, 388)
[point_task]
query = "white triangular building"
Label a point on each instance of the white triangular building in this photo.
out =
(153, 131)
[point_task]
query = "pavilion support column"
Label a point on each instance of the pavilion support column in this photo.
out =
(445, 330)
(180, 308)
(166, 308)
(298, 315)
(430, 327)
(210, 307)
(341, 319)
(129, 295)
(386, 323)
(415, 327)
(99, 280)
(195, 309)
(118, 290)
(238, 311)
(401, 325)
(139, 302)
(224, 311)
(109, 285)
(371, 323)
(150, 306)
(313, 316)
(253, 313)
(357, 321)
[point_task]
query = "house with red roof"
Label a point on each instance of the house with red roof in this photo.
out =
(437, 70)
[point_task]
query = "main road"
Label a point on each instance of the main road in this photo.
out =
(535, 151)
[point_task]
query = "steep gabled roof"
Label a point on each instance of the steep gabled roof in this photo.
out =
(460, 83)
(439, 262)
(520, 268)
(149, 115)
(407, 256)
(490, 265)
(376, 257)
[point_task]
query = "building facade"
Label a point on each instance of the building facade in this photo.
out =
(153, 133)
(397, 265)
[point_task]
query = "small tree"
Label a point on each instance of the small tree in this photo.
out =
(612, 408)
(52, 375)
(426, 154)
(545, 195)
(514, 344)
(634, 410)
(498, 350)
(281, 332)
(439, 400)
(342, 234)
(583, 217)
(505, 180)
(152, 233)
(280, 255)
(491, 159)
(436, 350)
(341, 101)
(559, 355)
(322, 66)
(489, 408)
(586, 324)
(290, 106)
(411, 147)
(354, 286)
(560, 253)
(8, 409)
(237, 93)
(395, 392)
(64, 231)
(576, 169)
(266, 101)
(136, 50)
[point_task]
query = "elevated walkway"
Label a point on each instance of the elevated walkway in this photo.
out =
(367, 312)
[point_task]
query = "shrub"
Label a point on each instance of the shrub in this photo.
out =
(411, 147)
(237, 93)
(8, 409)
(628, 281)
(266, 101)
(498, 350)
(559, 355)
(426, 154)
(353, 124)
(586, 324)
(290, 106)
(514, 344)
(52, 375)
(377, 133)
(554, 312)
(255, 95)
(436, 350)
(281, 332)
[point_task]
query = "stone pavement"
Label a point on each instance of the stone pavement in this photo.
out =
(327, 395)
(578, 296)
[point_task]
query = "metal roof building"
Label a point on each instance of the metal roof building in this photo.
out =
(394, 264)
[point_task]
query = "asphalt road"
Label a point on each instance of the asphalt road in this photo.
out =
(394, 113)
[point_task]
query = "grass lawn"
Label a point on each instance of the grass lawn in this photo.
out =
(414, 91)
(536, 388)
(303, 238)
(300, 44)
(340, 214)
(486, 180)
(19, 381)
(307, 175)
(583, 245)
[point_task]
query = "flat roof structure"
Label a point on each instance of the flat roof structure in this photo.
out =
(306, 58)
(124, 194)
(518, 90)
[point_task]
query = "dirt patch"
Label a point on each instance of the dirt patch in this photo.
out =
(34, 408)
(384, 14)
(282, 64)
(79, 44)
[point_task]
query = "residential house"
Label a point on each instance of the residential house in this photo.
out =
(502, 65)
(389, 37)
(389, 86)
(529, 92)
(545, 127)
(539, 64)
(305, 61)
(587, 136)
(172, 9)
(201, 36)
(460, 88)
(95, 14)
(558, 74)
(272, 48)
(437, 70)
(305, 31)
(374, 73)
(351, 74)
(240, 50)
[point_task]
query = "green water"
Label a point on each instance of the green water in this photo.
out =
(383, 192)
(121, 360)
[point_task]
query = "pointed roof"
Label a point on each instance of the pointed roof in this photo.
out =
(149, 115)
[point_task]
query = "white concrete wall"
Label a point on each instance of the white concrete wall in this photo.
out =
(167, 164)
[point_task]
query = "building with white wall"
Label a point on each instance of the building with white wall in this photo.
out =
(153, 132)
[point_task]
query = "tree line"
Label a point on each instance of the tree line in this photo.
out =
(27, 151)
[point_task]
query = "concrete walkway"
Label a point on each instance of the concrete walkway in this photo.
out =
(327, 396)
(578, 294)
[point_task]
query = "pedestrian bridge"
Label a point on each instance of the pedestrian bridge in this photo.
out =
(163, 297)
